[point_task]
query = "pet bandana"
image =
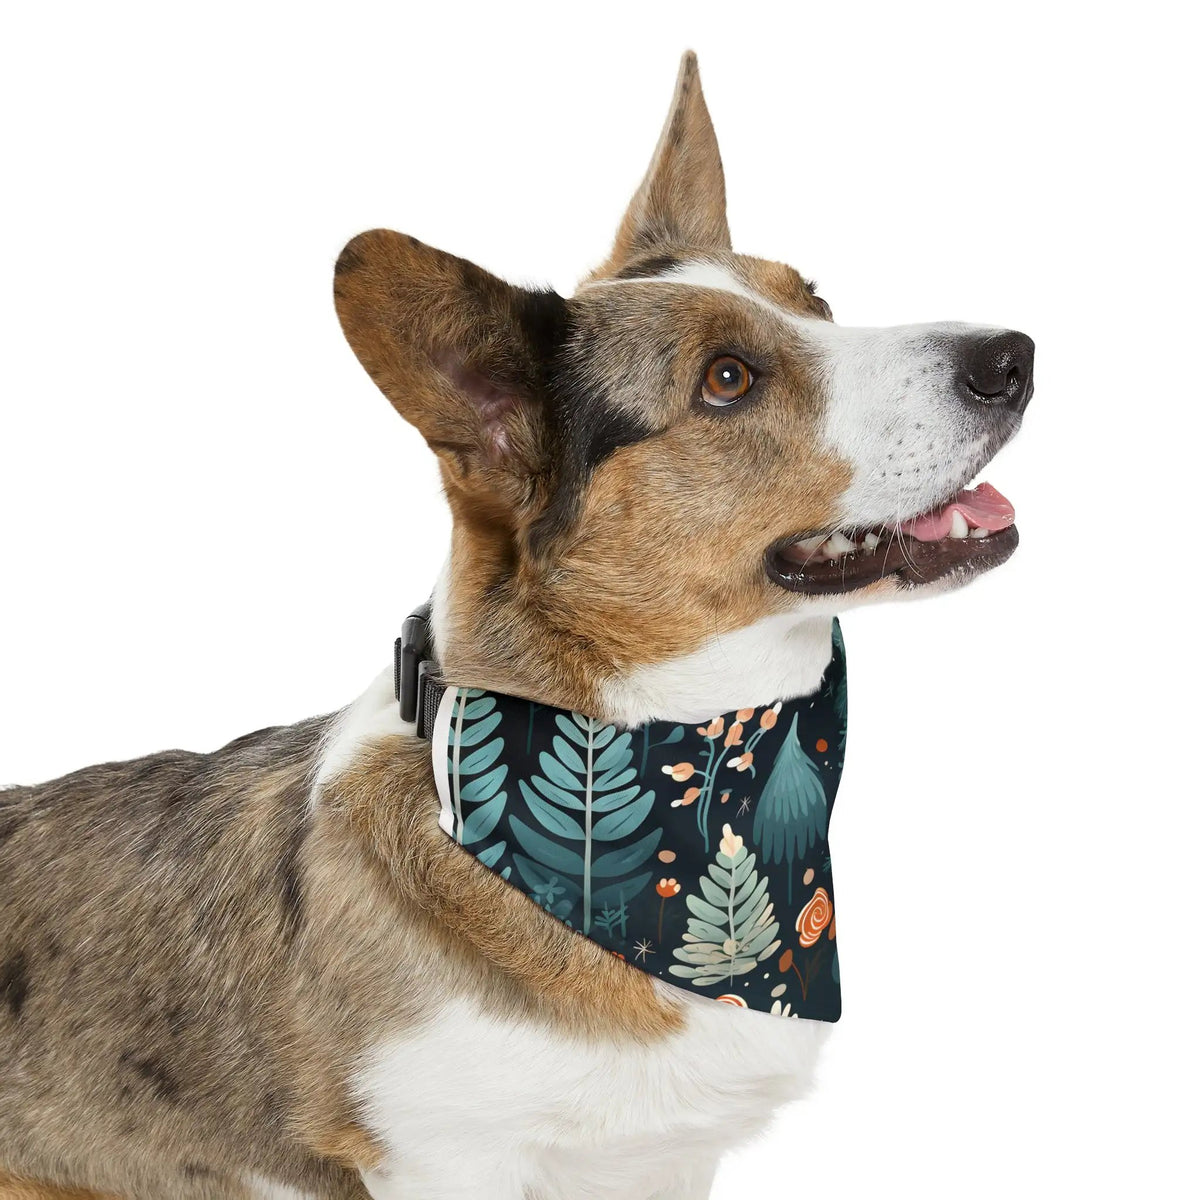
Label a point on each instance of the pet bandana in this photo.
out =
(697, 853)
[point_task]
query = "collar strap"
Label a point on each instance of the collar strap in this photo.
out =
(418, 686)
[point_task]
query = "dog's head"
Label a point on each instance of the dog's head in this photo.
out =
(686, 452)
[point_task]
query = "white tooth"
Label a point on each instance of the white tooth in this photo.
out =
(839, 544)
(958, 525)
(870, 541)
(979, 533)
(811, 545)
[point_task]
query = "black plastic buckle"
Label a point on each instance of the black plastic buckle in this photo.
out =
(413, 663)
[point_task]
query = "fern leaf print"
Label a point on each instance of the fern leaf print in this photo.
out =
(732, 927)
(476, 778)
(585, 797)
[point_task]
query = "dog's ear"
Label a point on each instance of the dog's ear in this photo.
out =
(461, 354)
(681, 202)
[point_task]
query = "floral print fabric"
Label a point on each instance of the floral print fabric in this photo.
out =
(697, 853)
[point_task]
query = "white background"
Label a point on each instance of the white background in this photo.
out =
(212, 522)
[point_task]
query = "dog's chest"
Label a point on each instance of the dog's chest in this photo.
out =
(529, 1110)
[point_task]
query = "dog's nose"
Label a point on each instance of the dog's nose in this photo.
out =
(997, 369)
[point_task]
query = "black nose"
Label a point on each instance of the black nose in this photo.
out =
(997, 369)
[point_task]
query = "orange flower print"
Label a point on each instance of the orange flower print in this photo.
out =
(744, 714)
(713, 729)
(734, 736)
(770, 716)
(666, 888)
(743, 762)
(680, 771)
(785, 961)
(831, 932)
(666, 856)
(822, 745)
(730, 998)
(688, 797)
(813, 918)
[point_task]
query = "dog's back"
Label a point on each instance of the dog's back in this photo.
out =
(147, 911)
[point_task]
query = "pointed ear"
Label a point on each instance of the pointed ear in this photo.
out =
(681, 202)
(461, 354)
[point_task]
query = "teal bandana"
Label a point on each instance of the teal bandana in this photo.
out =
(698, 854)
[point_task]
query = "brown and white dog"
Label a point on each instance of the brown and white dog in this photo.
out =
(266, 972)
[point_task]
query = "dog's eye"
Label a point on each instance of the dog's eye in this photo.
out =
(726, 381)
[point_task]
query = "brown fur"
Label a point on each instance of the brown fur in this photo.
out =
(563, 576)
(681, 201)
(539, 966)
(202, 967)
(20, 1189)
(191, 962)
(155, 911)
(667, 547)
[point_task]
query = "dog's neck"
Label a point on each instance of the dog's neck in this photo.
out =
(776, 658)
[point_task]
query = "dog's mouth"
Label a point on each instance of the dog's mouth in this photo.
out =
(971, 532)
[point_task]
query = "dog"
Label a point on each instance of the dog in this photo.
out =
(267, 972)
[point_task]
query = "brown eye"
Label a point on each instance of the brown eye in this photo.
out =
(726, 381)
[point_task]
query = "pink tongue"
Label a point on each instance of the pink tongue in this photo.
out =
(983, 507)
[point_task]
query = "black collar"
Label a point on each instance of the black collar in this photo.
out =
(418, 687)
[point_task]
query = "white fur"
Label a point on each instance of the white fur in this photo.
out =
(890, 405)
(265, 1189)
(474, 1106)
(776, 658)
(374, 714)
(893, 412)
